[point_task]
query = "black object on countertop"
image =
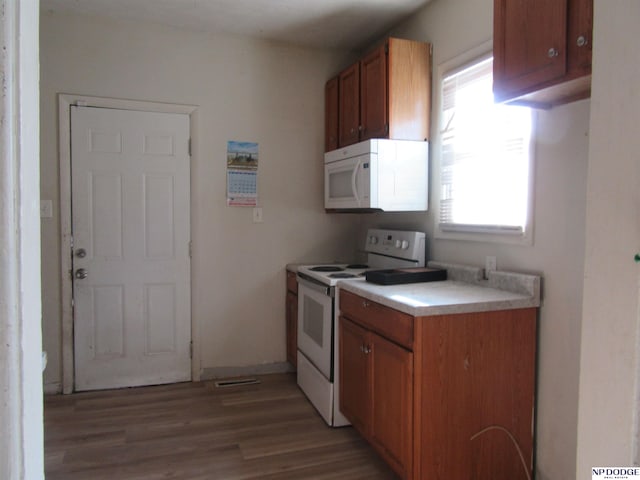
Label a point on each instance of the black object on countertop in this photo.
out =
(397, 276)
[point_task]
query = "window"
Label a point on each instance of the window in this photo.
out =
(485, 156)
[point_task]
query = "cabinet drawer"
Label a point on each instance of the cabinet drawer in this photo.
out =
(292, 282)
(389, 323)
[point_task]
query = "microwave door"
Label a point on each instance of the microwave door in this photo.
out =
(341, 184)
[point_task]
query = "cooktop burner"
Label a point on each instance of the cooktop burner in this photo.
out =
(342, 275)
(326, 268)
(357, 266)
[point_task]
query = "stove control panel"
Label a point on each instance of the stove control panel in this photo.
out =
(396, 243)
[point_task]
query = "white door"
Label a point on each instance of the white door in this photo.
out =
(131, 233)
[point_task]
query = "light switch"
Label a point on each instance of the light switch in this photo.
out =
(257, 215)
(46, 209)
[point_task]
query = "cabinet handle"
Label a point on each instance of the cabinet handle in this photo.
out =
(365, 304)
(367, 349)
(553, 52)
(581, 41)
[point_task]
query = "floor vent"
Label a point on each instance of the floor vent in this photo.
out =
(237, 382)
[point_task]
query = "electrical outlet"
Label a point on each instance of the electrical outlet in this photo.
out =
(490, 264)
(257, 215)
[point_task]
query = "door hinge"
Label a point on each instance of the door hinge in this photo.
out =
(191, 349)
(189, 146)
(190, 249)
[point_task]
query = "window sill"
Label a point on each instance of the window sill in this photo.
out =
(486, 234)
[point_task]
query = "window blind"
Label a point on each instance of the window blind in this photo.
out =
(484, 164)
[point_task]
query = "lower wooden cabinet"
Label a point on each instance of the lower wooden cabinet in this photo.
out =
(457, 404)
(354, 375)
(291, 313)
(377, 392)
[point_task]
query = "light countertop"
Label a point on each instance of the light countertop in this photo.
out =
(500, 291)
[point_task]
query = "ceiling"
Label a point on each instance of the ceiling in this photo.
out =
(349, 24)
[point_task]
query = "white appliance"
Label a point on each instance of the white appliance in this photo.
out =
(318, 308)
(377, 174)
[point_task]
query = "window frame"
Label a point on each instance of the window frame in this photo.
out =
(477, 233)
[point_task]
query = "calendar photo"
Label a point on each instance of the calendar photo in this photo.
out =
(242, 155)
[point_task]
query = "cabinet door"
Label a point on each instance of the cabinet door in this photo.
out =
(354, 373)
(349, 106)
(580, 38)
(331, 114)
(392, 403)
(374, 115)
(408, 89)
(292, 328)
(477, 371)
(529, 47)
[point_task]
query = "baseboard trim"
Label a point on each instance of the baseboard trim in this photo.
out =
(264, 369)
(52, 388)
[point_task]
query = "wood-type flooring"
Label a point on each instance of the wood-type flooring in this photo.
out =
(198, 431)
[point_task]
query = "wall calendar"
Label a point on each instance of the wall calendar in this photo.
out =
(242, 174)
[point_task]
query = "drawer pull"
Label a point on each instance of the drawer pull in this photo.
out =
(365, 304)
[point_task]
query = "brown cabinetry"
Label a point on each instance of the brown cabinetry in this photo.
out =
(387, 94)
(374, 94)
(439, 397)
(349, 105)
(376, 393)
(542, 51)
(291, 313)
(331, 114)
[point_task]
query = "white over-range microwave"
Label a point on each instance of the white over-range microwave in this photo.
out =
(378, 174)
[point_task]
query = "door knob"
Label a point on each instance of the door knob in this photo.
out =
(81, 273)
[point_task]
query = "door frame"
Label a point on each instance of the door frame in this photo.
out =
(65, 101)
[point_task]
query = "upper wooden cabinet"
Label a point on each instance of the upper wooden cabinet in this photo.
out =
(374, 95)
(349, 106)
(542, 51)
(387, 94)
(331, 114)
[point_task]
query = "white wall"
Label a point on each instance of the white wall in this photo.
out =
(455, 27)
(21, 436)
(244, 90)
(609, 405)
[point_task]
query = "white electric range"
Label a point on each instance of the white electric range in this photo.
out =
(318, 309)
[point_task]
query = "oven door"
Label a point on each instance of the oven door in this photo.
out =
(315, 324)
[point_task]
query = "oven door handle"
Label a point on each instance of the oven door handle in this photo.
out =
(314, 284)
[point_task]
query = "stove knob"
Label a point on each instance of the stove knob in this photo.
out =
(405, 244)
(373, 239)
(398, 243)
